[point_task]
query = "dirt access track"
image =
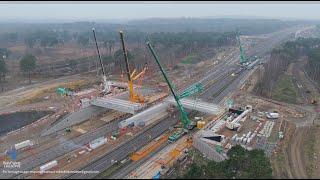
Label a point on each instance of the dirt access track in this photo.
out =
(298, 156)
(295, 154)
(10, 98)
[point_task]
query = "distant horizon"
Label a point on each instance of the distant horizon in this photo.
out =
(125, 11)
(126, 20)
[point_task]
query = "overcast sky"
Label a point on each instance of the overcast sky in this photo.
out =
(131, 10)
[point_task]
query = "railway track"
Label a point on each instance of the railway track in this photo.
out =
(59, 150)
(122, 151)
(103, 163)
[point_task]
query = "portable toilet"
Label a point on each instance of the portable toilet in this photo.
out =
(200, 124)
(218, 149)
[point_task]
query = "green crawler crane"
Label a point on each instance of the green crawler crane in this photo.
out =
(187, 124)
(243, 58)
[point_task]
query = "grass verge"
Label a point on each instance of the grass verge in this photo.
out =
(285, 90)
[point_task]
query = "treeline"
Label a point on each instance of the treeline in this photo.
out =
(246, 26)
(281, 58)
(180, 44)
(51, 34)
(242, 164)
(44, 38)
(313, 65)
(194, 40)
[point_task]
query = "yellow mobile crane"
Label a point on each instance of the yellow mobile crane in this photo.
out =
(131, 76)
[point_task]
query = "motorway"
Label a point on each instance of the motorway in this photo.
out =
(64, 147)
(213, 86)
(122, 151)
(156, 130)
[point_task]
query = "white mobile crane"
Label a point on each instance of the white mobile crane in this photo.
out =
(106, 84)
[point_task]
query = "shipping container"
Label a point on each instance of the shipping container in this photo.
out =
(240, 140)
(237, 139)
(23, 144)
(234, 137)
(248, 135)
(141, 124)
(272, 115)
(82, 152)
(97, 143)
(244, 140)
(48, 166)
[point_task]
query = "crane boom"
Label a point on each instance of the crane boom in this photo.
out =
(131, 77)
(125, 55)
(95, 39)
(243, 57)
(133, 73)
(140, 74)
(106, 84)
(191, 90)
(185, 120)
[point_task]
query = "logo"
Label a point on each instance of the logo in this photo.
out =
(10, 160)
(11, 155)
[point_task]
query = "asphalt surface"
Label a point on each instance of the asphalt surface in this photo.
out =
(219, 83)
(134, 165)
(50, 154)
(122, 151)
(228, 85)
(215, 93)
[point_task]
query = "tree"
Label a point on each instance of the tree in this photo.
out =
(119, 57)
(73, 65)
(28, 64)
(107, 60)
(83, 40)
(242, 164)
(4, 52)
(30, 42)
(195, 172)
(111, 45)
(3, 71)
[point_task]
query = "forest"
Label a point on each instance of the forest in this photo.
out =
(288, 53)
(242, 164)
(68, 48)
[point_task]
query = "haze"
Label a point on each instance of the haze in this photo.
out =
(69, 11)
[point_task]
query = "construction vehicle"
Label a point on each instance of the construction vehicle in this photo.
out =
(67, 130)
(187, 124)
(151, 147)
(131, 76)
(243, 58)
(106, 84)
(63, 91)
(176, 135)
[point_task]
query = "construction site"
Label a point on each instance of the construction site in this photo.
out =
(141, 122)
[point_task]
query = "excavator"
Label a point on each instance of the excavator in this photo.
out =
(132, 76)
